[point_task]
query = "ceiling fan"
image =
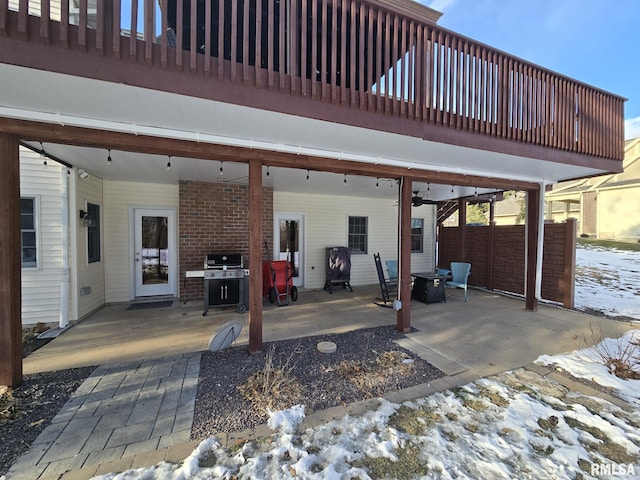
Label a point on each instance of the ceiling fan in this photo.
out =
(417, 200)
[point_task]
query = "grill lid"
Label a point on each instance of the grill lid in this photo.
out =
(223, 260)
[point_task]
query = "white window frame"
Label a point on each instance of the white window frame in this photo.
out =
(36, 228)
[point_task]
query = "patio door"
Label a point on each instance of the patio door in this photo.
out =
(289, 241)
(154, 255)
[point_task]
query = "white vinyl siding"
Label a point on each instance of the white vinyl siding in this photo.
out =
(41, 285)
(118, 197)
(90, 283)
(326, 223)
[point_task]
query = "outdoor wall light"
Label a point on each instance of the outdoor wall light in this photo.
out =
(82, 173)
(87, 220)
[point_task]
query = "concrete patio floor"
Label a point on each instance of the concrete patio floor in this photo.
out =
(489, 334)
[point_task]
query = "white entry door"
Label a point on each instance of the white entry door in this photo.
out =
(289, 242)
(155, 255)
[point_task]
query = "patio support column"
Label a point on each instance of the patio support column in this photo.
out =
(10, 263)
(462, 224)
(532, 232)
(255, 256)
(403, 316)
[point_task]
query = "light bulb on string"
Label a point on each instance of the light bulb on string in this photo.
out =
(109, 158)
(169, 164)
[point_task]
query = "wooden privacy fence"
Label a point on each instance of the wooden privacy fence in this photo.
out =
(497, 257)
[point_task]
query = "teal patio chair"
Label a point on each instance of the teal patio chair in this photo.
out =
(460, 272)
(392, 270)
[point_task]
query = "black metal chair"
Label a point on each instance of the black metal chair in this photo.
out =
(388, 289)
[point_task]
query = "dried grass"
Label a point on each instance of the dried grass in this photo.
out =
(272, 388)
(622, 359)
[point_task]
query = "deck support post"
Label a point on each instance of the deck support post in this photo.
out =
(10, 263)
(255, 256)
(403, 317)
(532, 239)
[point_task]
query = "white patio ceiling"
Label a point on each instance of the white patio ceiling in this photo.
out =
(61, 99)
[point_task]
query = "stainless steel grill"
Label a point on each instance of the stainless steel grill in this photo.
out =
(224, 281)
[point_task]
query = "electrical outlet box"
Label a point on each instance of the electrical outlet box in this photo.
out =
(397, 305)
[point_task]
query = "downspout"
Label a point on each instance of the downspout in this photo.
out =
(538, 291)
(65, 285)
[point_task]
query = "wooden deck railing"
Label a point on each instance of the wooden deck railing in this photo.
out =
(356, 53)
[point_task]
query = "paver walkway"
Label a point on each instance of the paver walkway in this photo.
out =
(121, 410)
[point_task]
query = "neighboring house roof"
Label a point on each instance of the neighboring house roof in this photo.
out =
(628, 178)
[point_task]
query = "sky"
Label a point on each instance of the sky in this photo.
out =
(593, 41)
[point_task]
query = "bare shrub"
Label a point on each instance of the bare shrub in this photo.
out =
(272, 388)
(621, 358)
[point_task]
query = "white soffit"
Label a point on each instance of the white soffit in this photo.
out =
(55, 98)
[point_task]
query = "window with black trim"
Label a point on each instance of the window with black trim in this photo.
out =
(417, 235)
(358, 233)
(93, 233)
(28, 233)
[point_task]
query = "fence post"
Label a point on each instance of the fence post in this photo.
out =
(569, 274)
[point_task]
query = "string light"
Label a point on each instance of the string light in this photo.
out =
(267, 170)
(377, 183)
(221, 170)
(345, 178)
(169, 164)
(109, 158)
(307, 175)
(43, 155)
(476, 193)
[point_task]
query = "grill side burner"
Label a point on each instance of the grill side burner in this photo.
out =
(224, 282)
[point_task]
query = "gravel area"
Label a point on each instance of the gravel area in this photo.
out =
(38, 400)
(320, 382)
(221, 408)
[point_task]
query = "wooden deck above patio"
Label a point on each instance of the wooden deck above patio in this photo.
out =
(381, 65)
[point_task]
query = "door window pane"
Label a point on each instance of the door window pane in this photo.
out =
(155, 250)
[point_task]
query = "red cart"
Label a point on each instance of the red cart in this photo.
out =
(277, 281)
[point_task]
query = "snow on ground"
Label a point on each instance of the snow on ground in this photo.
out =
(513, 425)
(608, 281)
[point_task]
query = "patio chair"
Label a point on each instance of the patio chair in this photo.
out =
(387, 288)
(392, 270)
(460, 272)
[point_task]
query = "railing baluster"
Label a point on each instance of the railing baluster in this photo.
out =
(353, 57)
(221, 34)
(179, 33)
(234, 40)
(245, 41)
(363, 51)
(282, 55)
(23, 17)
(334, 51)
(45, 13)
(324, 47)
(164, 29)
(4, 17)
(258, 43)
(314, 49)
(394, 66)
(83, 24)
(149, 33)
(447, 82)
(303, 47)
(294, 71)
(432, 90)
(368, 87)
(115, 27)
(411, 71)
(387, 66)
(402, 52)
(342, 97)
(133, 38)
(207, 37)
(419, 68)
(379, 62)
